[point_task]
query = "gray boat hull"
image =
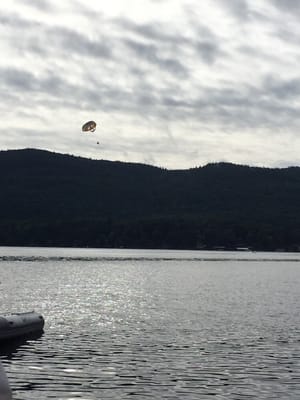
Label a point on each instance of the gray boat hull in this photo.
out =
(20, 324)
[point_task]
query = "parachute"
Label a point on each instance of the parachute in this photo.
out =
(89, 126)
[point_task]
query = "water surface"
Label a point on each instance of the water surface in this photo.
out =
(134, 324)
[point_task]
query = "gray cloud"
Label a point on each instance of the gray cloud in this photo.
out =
(25, 81)
(158, 32)
(282, 89)
(44, 5)
(290, 6)
(238, 8)
(209, 51)
(42, 38)
(207, 46)
(150, 53)
(17, 79)
(14, 20)
(72, 41)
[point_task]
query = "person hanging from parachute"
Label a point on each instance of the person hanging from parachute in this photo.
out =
(89, 126)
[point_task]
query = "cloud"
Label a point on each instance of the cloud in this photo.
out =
(238, 8)
(289, 6)
(71, 41)
(13, 20)
(209, 75)
(154, 32)
(42, 38)
(17, 79)
(209, 51)
(282, 89)
(151, 54)
(43, 6)
(247, 106)
(160, 39)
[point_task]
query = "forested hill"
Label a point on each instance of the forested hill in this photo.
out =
(61, 200)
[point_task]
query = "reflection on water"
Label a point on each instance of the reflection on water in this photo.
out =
(10, 347)
(160, 327)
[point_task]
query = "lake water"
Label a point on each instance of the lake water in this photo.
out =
(134, 324)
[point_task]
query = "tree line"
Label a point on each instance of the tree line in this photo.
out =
(50, 199)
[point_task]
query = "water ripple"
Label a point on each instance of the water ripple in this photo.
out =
(164, 330)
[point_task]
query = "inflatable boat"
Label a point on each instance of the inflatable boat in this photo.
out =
(20, 324)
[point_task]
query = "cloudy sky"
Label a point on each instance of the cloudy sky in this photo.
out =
(173, 83)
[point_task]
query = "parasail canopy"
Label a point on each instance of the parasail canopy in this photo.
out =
(89, 126)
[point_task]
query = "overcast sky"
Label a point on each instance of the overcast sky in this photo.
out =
(172, 83)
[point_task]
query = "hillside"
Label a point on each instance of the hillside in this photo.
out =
(62, 200)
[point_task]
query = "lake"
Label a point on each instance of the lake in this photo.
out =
(154, 324)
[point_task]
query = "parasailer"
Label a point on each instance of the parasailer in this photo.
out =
(89, 126)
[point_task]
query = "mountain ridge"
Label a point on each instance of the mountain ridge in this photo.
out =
(31, 151)
(63, 200)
